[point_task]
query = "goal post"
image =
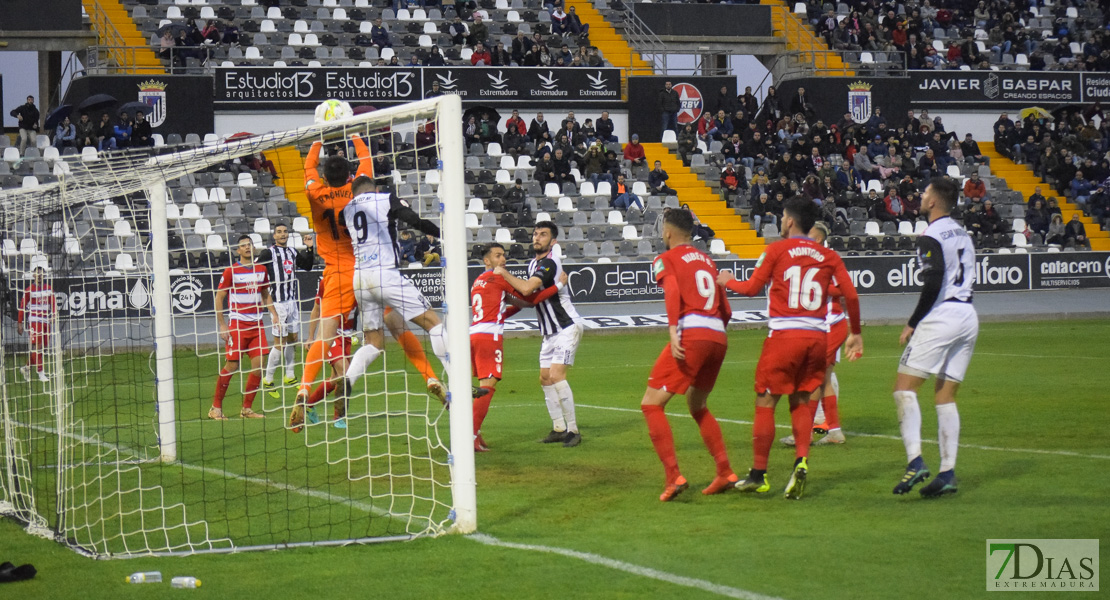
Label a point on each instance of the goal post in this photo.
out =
(112, 451)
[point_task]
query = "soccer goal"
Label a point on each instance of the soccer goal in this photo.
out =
(109, 354)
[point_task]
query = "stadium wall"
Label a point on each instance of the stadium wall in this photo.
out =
(182, 103)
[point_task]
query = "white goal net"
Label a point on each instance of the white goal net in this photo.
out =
(109, 353)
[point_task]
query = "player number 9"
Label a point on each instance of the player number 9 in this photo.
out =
(804, 291)
(707, 287)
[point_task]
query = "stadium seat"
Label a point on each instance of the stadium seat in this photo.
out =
(503, 236)
(476, 206)
(494, 150)
(28, 247)
(214, 243)
(604, 190)
(30, 181)
(202, 227)
(1020, 241)
(1019, 224)
(72, 247)
(245, 180)
(552, 190)
(587, 190)
(256, 240)
(300, 225)
(629, 233)
(616, 217)
(872, 228)
(122, 229)
(905, 228)
(471, 221)
(217, 195)
(717, 247)
(919, 227)
(125, 262)
(111, 212)
(670, 140)
(566, 204)
(262, 226)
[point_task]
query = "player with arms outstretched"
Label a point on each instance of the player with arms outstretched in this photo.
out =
(37, 310)
(697, 313)
(328, 195)
(792, 363)
(247, 286)
(561, 328)
(492, 300)
(939, 338)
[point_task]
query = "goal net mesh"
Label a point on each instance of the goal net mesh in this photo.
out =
(87, 453)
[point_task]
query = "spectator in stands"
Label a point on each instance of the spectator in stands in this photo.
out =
(911, 206)
(575, 25)
(559, 21)
(747, 102)
(65, 135)
(565, 54)
(865, 168)
(592, 163)
(472, 134)
(594, 58)
(479, 31)
(166, 45)
(408, 246)
(730, 184)
(186, 48)
(733, 149)
(588, 132)
(27, 117)
(428, 251)
(975, 189)
(211, 32)
(379, 35)
(458, 32)
(1075, 234)
(801, 103)
(1100, 204)
(927, 165)
(725, 101)
(1037, 218)
(514, 122)
(890, 209)
(435, 58)
(634, 152)
(465, 8)
(414, 61)
(122, 131)
(687, 143)
(435, 91)
(499, 56)
(766, 211)
(141, 134)
(1080, 188)
(722, 126)
(623, 198)
(545, 169)
(561, 164)
(231, 34)
(1036, 196)
(105, 134)
(487, 129)
(657, 181)
(669, 105)
(772, 109)
(86, 132)
(538, 129)
(1056, 234)
(514, 198)
(992, 221)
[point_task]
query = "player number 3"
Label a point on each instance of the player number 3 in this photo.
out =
(476, 306)
(804, 291)
(707, 287)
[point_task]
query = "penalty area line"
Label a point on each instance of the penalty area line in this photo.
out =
(619, 565)
(884, 436)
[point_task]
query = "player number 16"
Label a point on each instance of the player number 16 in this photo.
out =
(804, 291)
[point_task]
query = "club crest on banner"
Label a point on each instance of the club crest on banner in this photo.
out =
(690, 103)
(859, 101)
(153, 94)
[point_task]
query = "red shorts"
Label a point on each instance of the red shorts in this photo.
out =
(837, 334)
(246, 338)
(699, 369)
(792, 361)
(340, 349)
(486, 355)
(39, 335)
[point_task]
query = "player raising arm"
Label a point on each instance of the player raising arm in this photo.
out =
(328, 195)
(939, 337)
(792, 363)
(697, 313)
(247, 286)
(492, 300)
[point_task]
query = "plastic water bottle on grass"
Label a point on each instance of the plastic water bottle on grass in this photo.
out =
(145, 577)
(185, 582)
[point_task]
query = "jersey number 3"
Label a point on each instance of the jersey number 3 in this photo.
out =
(804, 291)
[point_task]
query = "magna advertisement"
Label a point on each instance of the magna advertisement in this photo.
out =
(192, 294)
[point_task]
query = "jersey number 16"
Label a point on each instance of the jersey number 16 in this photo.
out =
(804, 291)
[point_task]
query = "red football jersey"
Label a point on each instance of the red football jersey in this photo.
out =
(489, 305)
(695, 303)
(245, 285)
(836, 305)
(347, 324)
(800, 272)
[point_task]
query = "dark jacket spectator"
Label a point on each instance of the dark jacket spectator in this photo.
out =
(141, 134)
(605, 128)
(479, 31)
(1037, 218)
(86, 132)
(1075, 232)
(657, 181)
(379, 35)
(538, 130)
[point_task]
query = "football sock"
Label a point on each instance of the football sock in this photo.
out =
(948, 434)
(660, 431)
(36, 360)
(272, 361)
(414, 351)
(252, 388)
(801, 421)
(361, 361)
(832, 413)
(438, 335)
(763, 436)
(814, 407)
(222, 384)
(714, 441)
(551, 397)
(320, 391)
(566, 401)
(481, 408)
(312, 364)
(909, 418)
(290, 360)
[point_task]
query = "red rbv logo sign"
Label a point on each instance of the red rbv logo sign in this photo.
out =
(690, 103)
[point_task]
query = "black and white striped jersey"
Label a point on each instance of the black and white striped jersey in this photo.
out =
(557, 312)
(282, 263)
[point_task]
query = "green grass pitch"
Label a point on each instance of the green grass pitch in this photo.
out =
(1033, 416)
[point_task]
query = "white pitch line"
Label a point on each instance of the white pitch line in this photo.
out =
(596, 559)
(882, 436)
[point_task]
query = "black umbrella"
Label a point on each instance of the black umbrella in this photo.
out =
(132, 107)
(477, 112)
(96, 102)
(174, 27)
(57, 115)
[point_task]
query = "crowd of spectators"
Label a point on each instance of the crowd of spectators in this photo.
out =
(971, 34)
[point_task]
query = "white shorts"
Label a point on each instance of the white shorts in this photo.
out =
(376, 289)
(942, 343)
(289, 318)
(559, 348)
